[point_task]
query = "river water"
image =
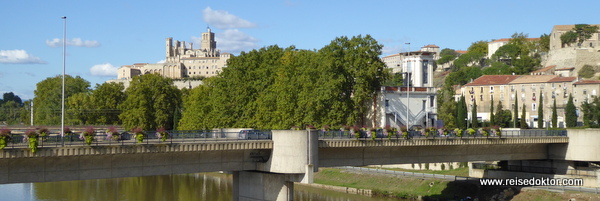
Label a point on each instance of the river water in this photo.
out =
(188, 187)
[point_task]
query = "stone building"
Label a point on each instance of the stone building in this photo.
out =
(573, 56)
(528, 89)
(183, 61)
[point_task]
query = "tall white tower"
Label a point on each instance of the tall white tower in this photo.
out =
(208, 42)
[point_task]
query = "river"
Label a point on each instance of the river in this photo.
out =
(188, 187)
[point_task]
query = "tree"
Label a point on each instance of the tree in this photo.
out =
(396, 79)
(474, 123)
(591, 112)
(151, 102)
(447, 107)
(502, 117)
(80, 109)
(492, 118)
(579, 34)
(584, 32)
(541, 111)
(461, 113)
(544, 43)
(571, 113)
(106, 98)
(554, 115)
(586, 71)
(522, 123)
(48, 95)
(276, 88)
(447, 55)
(516, 111)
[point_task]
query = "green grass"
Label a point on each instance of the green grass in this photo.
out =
(387, 185)
(463, 171)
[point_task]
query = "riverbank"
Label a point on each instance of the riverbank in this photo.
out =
(436, 189)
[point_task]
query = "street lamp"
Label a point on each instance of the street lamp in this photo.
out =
(62, 121)
(407, 89)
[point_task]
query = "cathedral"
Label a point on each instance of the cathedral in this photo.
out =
(183, 61)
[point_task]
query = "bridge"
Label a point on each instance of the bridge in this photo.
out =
(266, 169)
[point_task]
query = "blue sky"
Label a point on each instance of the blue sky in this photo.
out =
(104, 35)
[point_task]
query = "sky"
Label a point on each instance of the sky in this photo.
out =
(104, 35)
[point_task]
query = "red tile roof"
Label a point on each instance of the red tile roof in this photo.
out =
(563, 79)
(571, 68)
(587, 82)
(461, 51)
(526, 79)
(493, 80)
(544, 69)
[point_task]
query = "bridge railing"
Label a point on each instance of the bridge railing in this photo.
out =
(380, 134)
(126, 138)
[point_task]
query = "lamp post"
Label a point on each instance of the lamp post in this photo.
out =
(407, 88)
(62, 121)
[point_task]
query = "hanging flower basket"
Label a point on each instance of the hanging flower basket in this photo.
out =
(44, 133)
(112, 134)
(458, 132)
(4, 137)
(88, 135)
(32, 137)
(139, 134)
(162, 134)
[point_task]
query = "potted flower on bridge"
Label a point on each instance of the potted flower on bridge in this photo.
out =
(112, 134)
(44, 133)
(139, 134)
(32, 137)
(4, 137)
(162, 134)
(88, 135)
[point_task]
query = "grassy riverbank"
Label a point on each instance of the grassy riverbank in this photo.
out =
(432, 189)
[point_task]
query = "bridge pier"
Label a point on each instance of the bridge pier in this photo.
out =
(293, 159)
(254, 186)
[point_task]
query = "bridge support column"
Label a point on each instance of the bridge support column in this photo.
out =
(254, 186)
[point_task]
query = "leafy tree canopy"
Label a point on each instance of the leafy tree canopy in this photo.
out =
(586, 71)
(48, 96)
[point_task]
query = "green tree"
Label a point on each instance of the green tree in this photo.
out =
(544, 43)
(554, 115)
(447, 55)
(502, 117)
(80, 109)
(276, 88)
(541, 111)
(516, 111)
(106, 99)
(461, 113)
(492, 118)
(48, 95)
(586, 71)
(571, 113)
(522, 123)
(474, 123)
(151, 102)
(584, 32)
(447, 107)
(591, 112)
(396, 79)
(568, 38)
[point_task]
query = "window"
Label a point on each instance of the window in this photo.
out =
(425, 71)
(512, 88)
(522, 87)
(533, 86)
(501, 89)
(481, 97)
(533, 106)
(387, 103)
(553, 87)
(481, 90)
(584, 92)
(501, 96)
(522, 96)
(491, 89)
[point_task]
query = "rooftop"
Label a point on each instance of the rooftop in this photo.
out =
(524, 79)
(563, 79)
(587, 82)
(547, 68)
(493, 80)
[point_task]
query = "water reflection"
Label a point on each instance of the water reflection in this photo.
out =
(201, 186)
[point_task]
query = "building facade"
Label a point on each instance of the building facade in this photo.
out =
(527, 90)
(183, 61)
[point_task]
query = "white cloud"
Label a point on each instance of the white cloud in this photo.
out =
(223, 20)
(19, 57)
(232, 41)
(161, 61)
(106, 69)
(77, 42)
